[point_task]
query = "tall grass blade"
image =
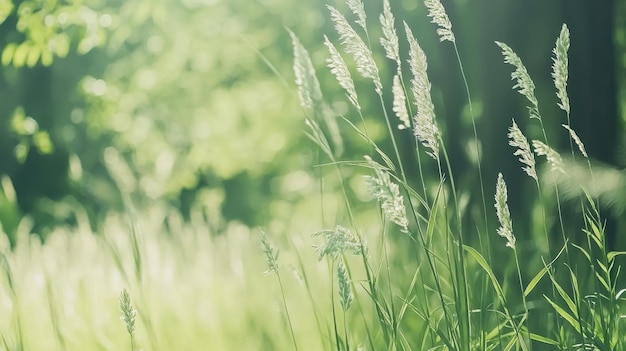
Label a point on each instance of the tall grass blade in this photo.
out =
(485, 266)
(564, 314)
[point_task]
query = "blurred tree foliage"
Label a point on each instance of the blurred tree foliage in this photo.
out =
(114, 104)
(32, 35)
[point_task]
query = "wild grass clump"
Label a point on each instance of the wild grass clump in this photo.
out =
(396, 259)
(174, 286)
(426, 279)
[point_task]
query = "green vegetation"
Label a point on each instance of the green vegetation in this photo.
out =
(455, 299)
(201, 211)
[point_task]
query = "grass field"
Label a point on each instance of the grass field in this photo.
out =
(372, 261)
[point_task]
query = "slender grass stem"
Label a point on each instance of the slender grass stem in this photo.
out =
(461, 283)
(521, 284)
(284, 300)
(393, 139)
(476, 146)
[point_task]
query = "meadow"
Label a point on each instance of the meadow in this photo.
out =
(391, 251)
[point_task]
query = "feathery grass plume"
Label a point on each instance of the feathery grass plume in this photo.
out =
(553, 157)
(425, 128)
(358, 8)
(577, 140)
(559, 68)
(388, 193)
(306, 80)
(437, 12)
(502, 211)
(340, 70)
(338, 241)
(271, 255)
(390, 41)
(128, 314)
(523, 82)
(310, 92)
(399, 104)
(519, 141)
(345, 289)
(356, 47)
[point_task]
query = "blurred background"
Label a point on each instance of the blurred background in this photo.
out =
(112, 106)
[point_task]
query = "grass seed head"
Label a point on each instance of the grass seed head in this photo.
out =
(271, 255)
(338, 241)
(399, 104)
(425, 128)
(309, 89)
(553, 157)
(358, 9)
(128, 312)
(389, 41)
(523, 83)
(560, 64)
(345, 289)
(526, 157)
(388, 194)
(502, 210)
(437, 12)
(341, 72)
(356, 47)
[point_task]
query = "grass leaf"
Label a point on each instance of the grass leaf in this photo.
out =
(564, 314)
(485, 266)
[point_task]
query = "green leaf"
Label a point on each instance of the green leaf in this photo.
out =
(510, 345)
(21, 151)
(6, 8)
(568, 300)
(596, 233)
(20, 54)
(543, 339)
(496, 332)
(535, 281)
(61, 45)
(43, 143)
(594, 237)
(604, 268)
(433, 215)
(33, 56)
(611, 255)
(603, 281)
(541, 273)
(46, 57)
(7, 54)
(583, 251)
(568, 317)
(575, 285)
(17, 121)
(485, 266)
